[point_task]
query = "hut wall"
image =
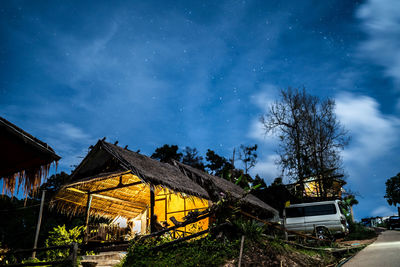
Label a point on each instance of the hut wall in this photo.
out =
(168, 204)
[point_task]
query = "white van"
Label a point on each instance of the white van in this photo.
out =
(323, 218)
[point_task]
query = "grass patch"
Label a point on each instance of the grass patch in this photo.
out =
(360, 232)
(201, 252)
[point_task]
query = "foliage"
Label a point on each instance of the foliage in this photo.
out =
(310, 135)
(215, 164)
(191, 157)
(250, 228)
(248, 155)
(349, 201)
(202, 252)
(393, 190)
(32, 260)
(359, 232)
(275, 195)
(258, 181)
(53, 184)
(61, 236)
(18, 230)
(218, 165)
(166, 153)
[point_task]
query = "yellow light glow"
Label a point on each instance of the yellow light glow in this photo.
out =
(170, 204)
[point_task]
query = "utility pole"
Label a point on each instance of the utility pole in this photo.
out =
(38, 224)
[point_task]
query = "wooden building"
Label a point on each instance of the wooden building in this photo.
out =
(115, 182)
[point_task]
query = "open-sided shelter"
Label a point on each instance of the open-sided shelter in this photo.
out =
(112, 181)
(24, 160)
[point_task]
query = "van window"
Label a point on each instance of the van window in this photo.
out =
(316, 210)
(294, 212)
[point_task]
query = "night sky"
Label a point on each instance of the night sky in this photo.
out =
(201, 73)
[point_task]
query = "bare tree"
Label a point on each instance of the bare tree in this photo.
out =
(248, 155)
(310, 136)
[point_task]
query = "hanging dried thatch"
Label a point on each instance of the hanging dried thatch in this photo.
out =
(120, 181)
(24, 161)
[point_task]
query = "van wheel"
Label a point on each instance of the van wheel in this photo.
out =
(323, 233)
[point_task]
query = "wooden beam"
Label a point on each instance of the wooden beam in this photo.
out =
(38, 223)
(134, 205)
(117, 187)
(152, 219)
(111, 211)
(88, 203)
(101, 177)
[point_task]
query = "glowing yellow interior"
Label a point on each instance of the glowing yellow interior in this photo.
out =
(178, 205)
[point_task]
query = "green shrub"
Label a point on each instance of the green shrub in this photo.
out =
(359, 232)
(250, 228)
(61, 236)
(201, 252)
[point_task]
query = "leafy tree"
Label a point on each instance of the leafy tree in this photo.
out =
(349, 201)
(166, 153)
(277, 182)
(248, 155)
(259, 181)
(393, 190)
(239, 178)
(275, 195)
(191, 157)
(310, 135)
(218, 165)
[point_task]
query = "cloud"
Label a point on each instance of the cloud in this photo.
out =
(69, 131)
(69, 141)
(382, 211)
(380, 20)
(265, 97)
(257, 131)
(373, 133)
(267, 168)
(263, 100)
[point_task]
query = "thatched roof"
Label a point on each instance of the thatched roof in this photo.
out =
(109, 166)
(25, 160)
(106, 157)
(128, 201)
(224, 186)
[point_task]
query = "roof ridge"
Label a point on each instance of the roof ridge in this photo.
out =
(28, 136)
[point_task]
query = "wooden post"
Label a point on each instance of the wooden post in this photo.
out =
(152, 203)
(38, 224)
(284, 223)
(241, 251)
(88, 203)
(74, 254)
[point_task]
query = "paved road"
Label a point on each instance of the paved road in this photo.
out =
(385, 251)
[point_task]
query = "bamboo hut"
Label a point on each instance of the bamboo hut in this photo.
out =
(115, 182)
(25, 160)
